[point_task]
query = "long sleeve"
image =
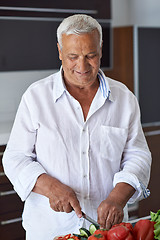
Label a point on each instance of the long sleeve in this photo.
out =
(19, 159)
(136, 159)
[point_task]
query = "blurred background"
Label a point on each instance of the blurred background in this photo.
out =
(28, 52)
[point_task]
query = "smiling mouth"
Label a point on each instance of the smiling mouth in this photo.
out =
(82, 73)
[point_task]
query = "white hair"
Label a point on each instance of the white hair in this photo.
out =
(78, 24)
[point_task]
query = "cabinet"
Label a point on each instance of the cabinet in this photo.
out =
(123, 56)
(56, 9)
(136, 55)
(10, 208)
(31, 26)
(152, 203)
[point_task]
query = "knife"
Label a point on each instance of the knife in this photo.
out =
(85, 216)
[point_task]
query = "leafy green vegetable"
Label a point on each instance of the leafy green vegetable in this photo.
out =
(155, 217)
(157, 230)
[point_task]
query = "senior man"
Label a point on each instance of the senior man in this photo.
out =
(77, 141)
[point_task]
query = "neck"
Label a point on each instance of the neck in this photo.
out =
(80, 89)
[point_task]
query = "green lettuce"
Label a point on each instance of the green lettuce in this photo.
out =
(155, 217)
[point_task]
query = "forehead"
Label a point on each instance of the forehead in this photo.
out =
(91, 39)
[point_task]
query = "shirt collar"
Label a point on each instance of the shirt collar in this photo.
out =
(104, 86)
(60, 88)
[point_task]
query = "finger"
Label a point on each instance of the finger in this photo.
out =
(56, 205)
(118, 218)
(67, 208)
(55, 208)
(76, 207)
(108, 224)
(113, 219)
(102, 222)
(109, 221)
(61, 208)
(102, 218)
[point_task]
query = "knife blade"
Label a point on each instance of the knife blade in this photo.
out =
(85, 216)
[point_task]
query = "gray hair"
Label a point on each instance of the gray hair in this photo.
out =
(78, 24)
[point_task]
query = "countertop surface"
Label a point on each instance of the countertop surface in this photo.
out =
(5, 129)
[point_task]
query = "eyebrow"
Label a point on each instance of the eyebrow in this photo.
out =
(92, 53)
(74, 54)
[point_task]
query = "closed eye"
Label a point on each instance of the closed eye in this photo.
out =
(73, 57)
(90, 56)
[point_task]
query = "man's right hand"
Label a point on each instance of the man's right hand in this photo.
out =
(62, 198)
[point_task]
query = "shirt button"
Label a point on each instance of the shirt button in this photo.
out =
(85, 176)
(84, 152)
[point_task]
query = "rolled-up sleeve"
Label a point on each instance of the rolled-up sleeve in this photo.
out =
(141, 191)
(19, 160)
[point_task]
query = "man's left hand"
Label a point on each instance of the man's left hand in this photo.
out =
(110, 211)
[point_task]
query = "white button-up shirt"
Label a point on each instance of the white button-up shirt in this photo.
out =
(50, 136)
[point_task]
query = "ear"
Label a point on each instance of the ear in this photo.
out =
(60, 51)
(101, 49)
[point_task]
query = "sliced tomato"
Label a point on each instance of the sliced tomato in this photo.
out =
(64, 237)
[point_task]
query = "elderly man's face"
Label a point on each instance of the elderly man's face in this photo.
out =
(80, 55)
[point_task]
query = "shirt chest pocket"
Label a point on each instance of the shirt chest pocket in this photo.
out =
(112, 142)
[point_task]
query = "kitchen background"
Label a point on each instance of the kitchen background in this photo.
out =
(132, 34)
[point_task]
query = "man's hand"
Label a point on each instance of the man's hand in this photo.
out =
(62, 198)
(110, 211)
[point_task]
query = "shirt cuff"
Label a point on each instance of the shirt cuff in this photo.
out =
(27, 179)
(130, 178)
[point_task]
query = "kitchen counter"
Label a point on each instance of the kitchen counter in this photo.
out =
(5, 129)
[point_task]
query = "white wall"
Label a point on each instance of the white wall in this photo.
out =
(145, 12)
(120, 12)
(12, 86)
(136, 12)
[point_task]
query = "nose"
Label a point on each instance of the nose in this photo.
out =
(82, 65)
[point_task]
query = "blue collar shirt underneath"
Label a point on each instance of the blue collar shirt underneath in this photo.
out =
(50, 136)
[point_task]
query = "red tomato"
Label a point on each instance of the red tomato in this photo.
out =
(97, 237)
(119, 232)
(66, 237)
(101, 231)
(144, 230)
(128, 225)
